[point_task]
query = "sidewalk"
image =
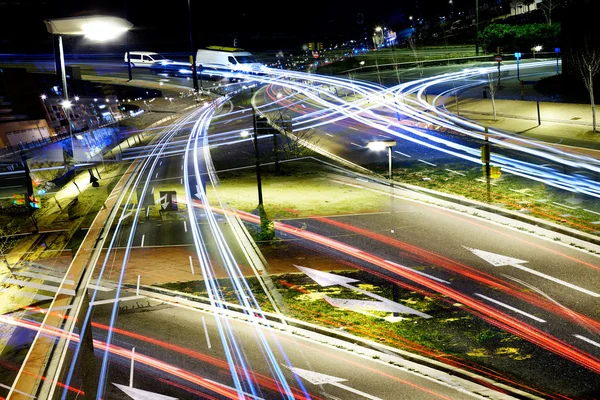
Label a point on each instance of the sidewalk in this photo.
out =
(561, 123)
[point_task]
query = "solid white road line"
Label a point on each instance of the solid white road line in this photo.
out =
(191, 264)
(590, 341)
(206, 332)
(426, 162)
(510, 307)
(44, 277)
(48, 288)
(185, 226)
(455, 172)
(100, 288)
(143, 236)
(110, 301)
(402, 154)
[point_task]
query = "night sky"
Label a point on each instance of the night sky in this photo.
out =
(163, 25)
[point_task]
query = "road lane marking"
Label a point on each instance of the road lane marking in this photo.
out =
(499, 260)
(206, 332)
(17, 391)
(510, 307)
(562, 205)
(402, 154)
(152, 192)
(48, 288)
(156, 176)
(100, 288)
(44, 277)
(328, 134)
(593, 212)
(192, 265)
(110, 301)
(185, 226)
(357, 145)
(143, 236)
(426, 162)
(590, 341)
(455, 172)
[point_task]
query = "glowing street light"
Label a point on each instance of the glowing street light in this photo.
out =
(43, 97)
(66, 104)
(379, 145)
(244, 133)
(96, 28)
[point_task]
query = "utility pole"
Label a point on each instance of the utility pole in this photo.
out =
(476, 27)
(129, 69)
(485, 158)
(192, 51)
(257, 159)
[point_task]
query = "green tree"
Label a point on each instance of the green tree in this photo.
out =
(520, 37)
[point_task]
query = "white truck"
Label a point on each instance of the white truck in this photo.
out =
(228, 59)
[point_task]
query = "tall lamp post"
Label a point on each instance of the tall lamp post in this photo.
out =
(378, 145)
(476, 27)
(192, 54)
(95, 28)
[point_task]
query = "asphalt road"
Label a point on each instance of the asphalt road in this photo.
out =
(412, 223)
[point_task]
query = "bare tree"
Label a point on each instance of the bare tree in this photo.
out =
(547, 6)
(493, 85)
(586, 60)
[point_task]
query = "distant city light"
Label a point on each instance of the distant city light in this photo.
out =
(66, 104)
(44, 97)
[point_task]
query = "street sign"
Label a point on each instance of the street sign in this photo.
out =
(518, 55)
(557, 49)
(498, 58)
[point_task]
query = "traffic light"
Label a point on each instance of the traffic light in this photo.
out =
(320, 46)
(34, 202)
(311, 46)
(19, 199)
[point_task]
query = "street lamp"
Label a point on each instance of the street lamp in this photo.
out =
(378, 145)
(96, 28)
(536, 49)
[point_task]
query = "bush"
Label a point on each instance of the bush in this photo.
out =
(520, 37)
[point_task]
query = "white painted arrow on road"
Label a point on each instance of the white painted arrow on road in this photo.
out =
(326, 279)
(498, 260)
(125, 216)
(139, 394)
(163, 201)
(321, 379)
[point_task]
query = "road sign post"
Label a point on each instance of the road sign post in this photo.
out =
(485, 158)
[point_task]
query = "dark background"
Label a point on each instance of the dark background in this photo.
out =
(264, 25)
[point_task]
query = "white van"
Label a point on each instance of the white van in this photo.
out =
(228, 59)
(143, 58)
